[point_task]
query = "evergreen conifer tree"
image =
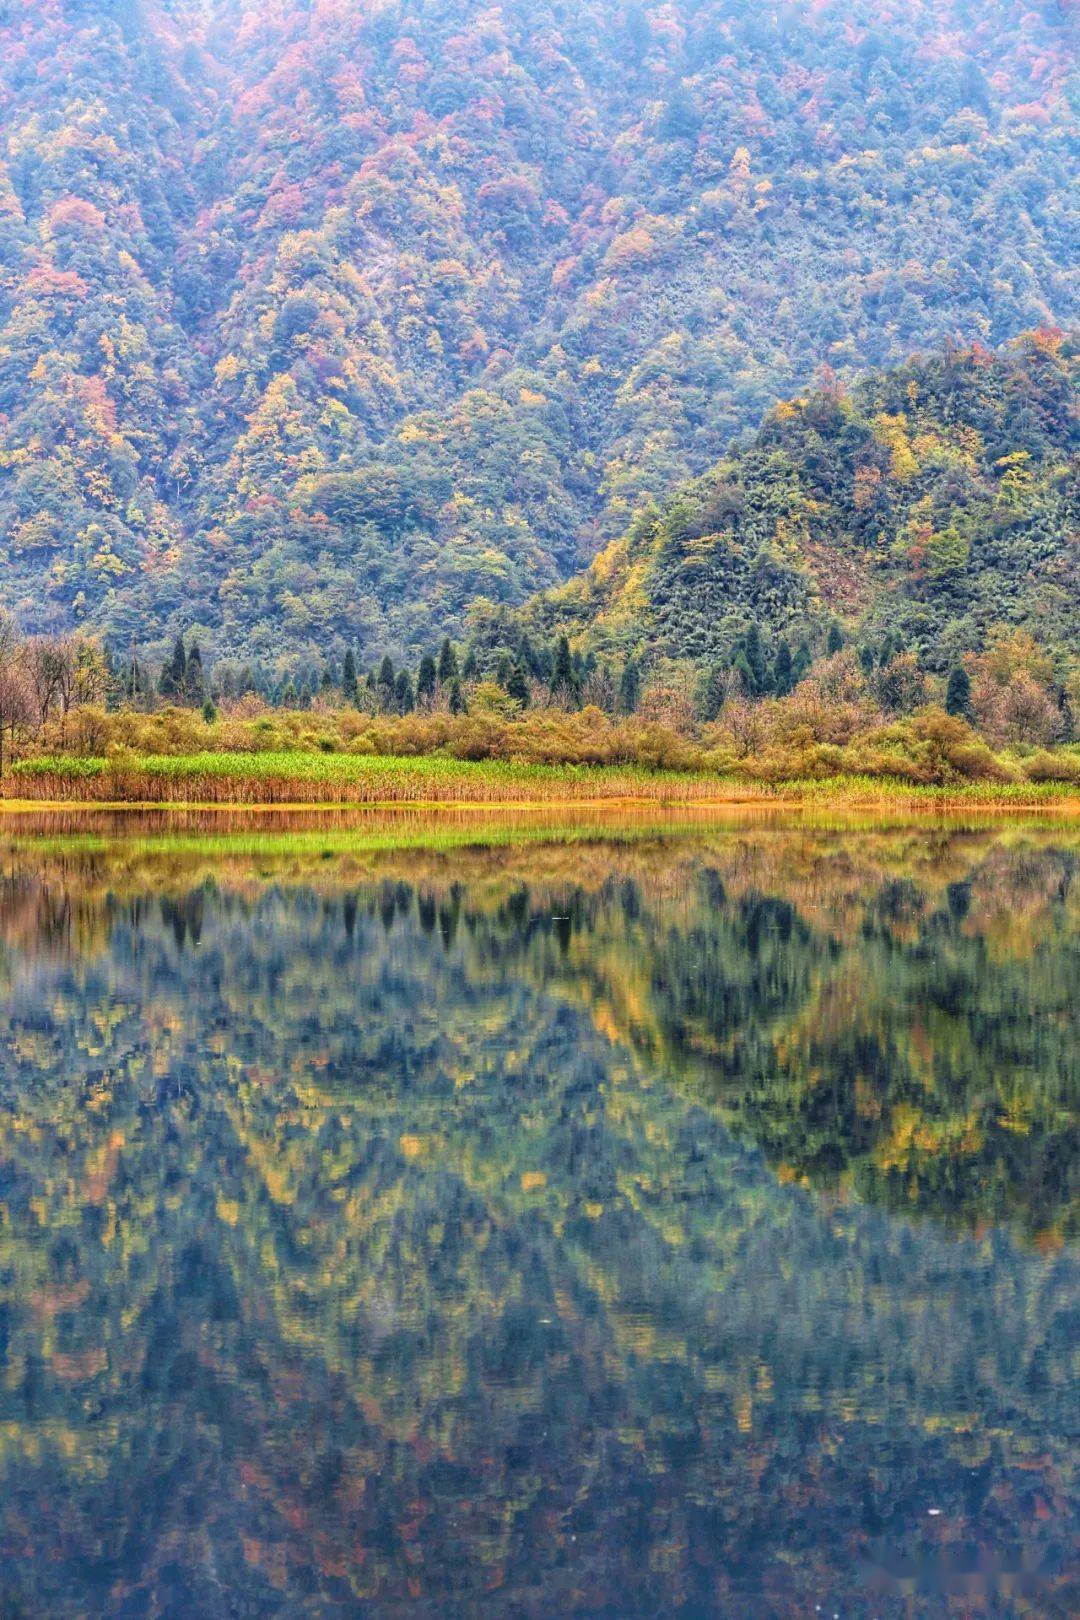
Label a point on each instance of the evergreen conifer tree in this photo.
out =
(403, 693)
(385, 683)
(448, 664)
(754, 655)
(958, 693)
(349, 687)
(517, 685)
(193, 687)
(801, 663)
(425, 681)
(174, 671)
(781, 670)
(629, 687)
(564, 682)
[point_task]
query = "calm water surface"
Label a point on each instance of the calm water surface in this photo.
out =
(432, 1222)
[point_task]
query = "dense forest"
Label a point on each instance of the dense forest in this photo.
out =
(320, 323)
(922, 510)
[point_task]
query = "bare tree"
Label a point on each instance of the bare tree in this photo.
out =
(15, 697)
(45, 663)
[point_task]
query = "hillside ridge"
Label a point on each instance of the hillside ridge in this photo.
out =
(319, 324)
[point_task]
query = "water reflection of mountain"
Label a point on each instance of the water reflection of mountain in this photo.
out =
(376, 1241)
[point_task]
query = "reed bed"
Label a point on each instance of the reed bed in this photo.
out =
(302, 778)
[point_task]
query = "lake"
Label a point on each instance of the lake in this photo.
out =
(404, 1217)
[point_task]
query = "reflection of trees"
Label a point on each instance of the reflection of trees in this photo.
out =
(920, 1052)
(355, 1243)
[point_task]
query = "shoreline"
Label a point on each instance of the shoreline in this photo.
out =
(258, 781)
(926, 799)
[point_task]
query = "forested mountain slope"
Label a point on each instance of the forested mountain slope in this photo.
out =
(320, 321)
(925, 507)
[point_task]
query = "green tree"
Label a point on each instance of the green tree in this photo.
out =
(174, 671)
(403, 693)
(801, 664)
(754, 657)
(527, 656)
(563, 679)
(517, 686)
(711, 692)
(782, 681)
(457, 697)
(448, 664)
(349, 688)
(194, 686)
(384, 683)
(958, 693)
(425, 680)
(747, 680)
(834, 641)
(629, 687)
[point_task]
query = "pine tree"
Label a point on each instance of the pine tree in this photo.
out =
(781, 670)
(425, 681)
(754, 655)
(712, 692)
(385, 683)
(629, 687)
(958, 693)
(403, 693)
(527, 657)
(349, 687)
(448, 664)
(469, 668)
(747, 680)
(834, 642)
(194, 683)
(171, 683)
(563, 680)
(517, 684)
(801, 663)
(457, 697)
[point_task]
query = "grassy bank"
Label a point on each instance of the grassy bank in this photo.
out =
(299, 778)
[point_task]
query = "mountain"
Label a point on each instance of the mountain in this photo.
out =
(925, 507)
(320, 322)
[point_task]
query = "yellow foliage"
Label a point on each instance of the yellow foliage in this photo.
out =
(892, 432)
